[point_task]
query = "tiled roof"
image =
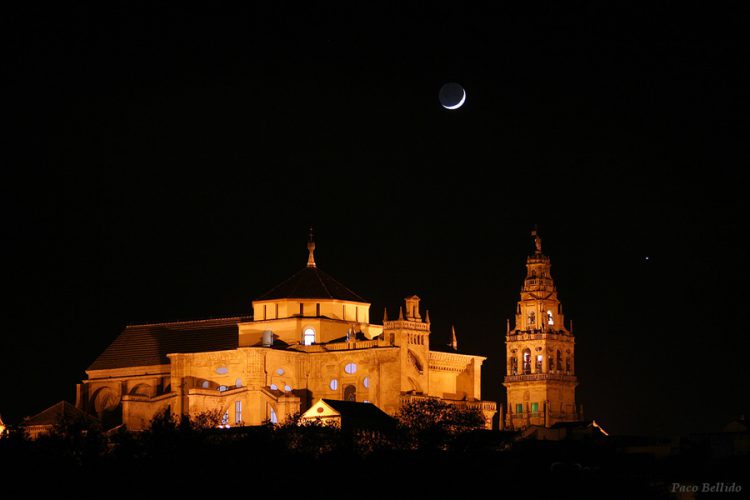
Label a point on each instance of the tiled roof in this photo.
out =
(146, 345)
(311, 283)
(360, 415)
(53, 414)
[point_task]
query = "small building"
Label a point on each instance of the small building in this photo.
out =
(45, 421)
(2, 427)
(348, 415)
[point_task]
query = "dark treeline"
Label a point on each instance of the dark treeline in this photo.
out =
(418, 458)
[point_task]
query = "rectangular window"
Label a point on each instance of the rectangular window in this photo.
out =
(277, 311)
(519, 408)
(301, 309)
(264, 312)
(534, 407)
(237, 412)
(317, 309)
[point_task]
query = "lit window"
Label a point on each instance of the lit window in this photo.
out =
(237, 412)
(519, 408)
(526, 361)
(279, 371)
(539, 359)
(222, 388)
(365, 401)
(274, 387)
(550, 320)
(273, 419)
(225, 419)
(287, 388)
(334, 384)
(238, 382)
(534, 407)
(223, 370)
(350, 368)
(366, 382)
(205, 384)
(309, 336)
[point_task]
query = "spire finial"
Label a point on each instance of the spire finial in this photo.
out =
(385, 315)
(311, 249)
(400, 313)
(454, 340)
(537, 240)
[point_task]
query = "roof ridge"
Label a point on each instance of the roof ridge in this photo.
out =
(341, 284)
(182, 322)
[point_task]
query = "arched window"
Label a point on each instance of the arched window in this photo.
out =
(238, 382)
(334, 384)
(350, 393)
(526, 361)
(550, 364)
(273, 418)
(308, 336)
(532, 317)
(550, 319)
(274, 387)
(287, 388)
(222, 388)
(205, 384)
(366, 382)
(559, 361)
(350, 368)
(514, 366)
(567, 365)
(538, 367)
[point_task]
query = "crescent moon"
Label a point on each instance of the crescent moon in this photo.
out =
(459, 104)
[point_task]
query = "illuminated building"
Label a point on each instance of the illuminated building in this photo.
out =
(540, 379)
(309, 338)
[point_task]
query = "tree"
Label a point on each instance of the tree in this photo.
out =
(432, 422)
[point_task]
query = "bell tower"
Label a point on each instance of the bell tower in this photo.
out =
(540, 376)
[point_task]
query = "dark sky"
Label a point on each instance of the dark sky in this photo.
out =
(162, 162)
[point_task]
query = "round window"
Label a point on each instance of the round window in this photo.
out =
(350, 368)
(274, 387)
(287, 388)
(279, 371)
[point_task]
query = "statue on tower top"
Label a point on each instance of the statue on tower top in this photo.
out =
(537, 240)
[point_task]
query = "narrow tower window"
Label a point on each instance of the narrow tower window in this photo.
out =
(559, 361)
(526, 361)
(550, 319)
(539, 359)
(532, 317)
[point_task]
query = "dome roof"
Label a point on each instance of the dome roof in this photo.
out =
(311, 283)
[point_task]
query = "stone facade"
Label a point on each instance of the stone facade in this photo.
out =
(310, 338)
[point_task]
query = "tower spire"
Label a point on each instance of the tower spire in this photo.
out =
(311, 249)
(454, 340)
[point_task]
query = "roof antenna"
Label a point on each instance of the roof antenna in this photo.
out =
(311, 249)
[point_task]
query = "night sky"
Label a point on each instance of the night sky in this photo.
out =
(164, 163)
